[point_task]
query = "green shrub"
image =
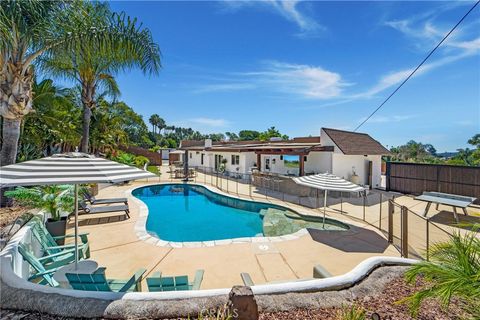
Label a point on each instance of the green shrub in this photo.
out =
(453, 271)
(154, 170)
(52, 199)
(140, 161)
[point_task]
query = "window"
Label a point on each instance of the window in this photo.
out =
(305, 158)
(235, 159)
(201, 158)
(190, 155)
(281, 157)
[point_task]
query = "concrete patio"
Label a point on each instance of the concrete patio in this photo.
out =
(115, 245)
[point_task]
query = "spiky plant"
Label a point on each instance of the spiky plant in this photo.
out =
(453, 271)
(53, 199)
(352, 312)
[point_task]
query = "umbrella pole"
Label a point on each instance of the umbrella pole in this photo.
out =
(324, 207)
(76, 226)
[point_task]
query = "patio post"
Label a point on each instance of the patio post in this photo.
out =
(76, 226)
(324, 207)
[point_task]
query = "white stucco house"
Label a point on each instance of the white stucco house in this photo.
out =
(350, 155)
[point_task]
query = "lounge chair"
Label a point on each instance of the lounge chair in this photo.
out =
(92, 210)
(49, 245)
(42, 271)
(158, 283)
(88, 196)
(319, 272)
(97, 281)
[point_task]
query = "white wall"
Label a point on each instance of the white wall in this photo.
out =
(342, 167)
(318, 162)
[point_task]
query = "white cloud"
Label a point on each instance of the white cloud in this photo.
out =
(288, 9)
(299, 79)
(225, 87)
(209, 122)
(385, 119)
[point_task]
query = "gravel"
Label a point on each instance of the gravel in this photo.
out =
(385, 304)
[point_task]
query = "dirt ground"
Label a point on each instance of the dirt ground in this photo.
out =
(384, 304)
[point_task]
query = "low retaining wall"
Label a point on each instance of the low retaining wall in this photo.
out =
(20, 294)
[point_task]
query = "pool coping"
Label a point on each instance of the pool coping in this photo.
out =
(142, 234)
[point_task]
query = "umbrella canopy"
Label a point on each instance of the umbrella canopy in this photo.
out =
(70, 168)
(329, 182)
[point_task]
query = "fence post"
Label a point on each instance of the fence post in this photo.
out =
(391, 209)
(428, 239)
(404, 231)
(380, 218)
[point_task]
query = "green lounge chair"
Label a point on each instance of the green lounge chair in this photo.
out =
(92, 210)
(88, 196)
(158, 283)
(41, 271)
(50, 246)
(97, 281)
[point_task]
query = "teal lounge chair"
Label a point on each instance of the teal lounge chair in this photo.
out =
(49, 245)
(159, 283)
(41, 271)
(97, 281)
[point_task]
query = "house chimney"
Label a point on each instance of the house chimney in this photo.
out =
(208, 143)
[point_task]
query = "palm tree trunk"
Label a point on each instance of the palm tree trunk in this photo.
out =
(10, 135)
(87, 114)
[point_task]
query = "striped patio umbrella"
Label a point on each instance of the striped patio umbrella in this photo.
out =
(69, 168)
(328, 182)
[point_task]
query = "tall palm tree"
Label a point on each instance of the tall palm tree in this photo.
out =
(33, 29)
(93, 66)
(153, 122)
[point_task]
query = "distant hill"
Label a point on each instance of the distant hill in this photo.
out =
(447, 155)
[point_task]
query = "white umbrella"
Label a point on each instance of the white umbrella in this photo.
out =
(70, 168)
(326, 182)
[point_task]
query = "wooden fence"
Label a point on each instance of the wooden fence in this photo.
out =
(154, 157)
(414, 178)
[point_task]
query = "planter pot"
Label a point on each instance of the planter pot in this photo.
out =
(57, 228)
(94, 189)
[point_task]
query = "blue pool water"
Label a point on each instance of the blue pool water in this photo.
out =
(182, 213)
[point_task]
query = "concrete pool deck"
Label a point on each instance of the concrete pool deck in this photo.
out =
(116, 245)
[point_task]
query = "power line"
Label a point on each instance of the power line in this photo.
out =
(418, 67)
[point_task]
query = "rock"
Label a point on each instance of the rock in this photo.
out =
(242, 304)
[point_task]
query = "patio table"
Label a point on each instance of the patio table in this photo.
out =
(453, 200)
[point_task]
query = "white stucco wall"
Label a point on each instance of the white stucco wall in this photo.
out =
(319, 162)
(342, 167)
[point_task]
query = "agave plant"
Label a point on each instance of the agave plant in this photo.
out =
(453, 271)
(53, 199)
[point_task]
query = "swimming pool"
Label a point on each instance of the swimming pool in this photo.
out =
(184, 213)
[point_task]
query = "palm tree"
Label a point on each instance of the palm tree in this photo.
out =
(93, 66)
(153, 121)
(33, 29)
(453, 270)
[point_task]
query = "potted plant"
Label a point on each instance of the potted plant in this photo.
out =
(54, 200)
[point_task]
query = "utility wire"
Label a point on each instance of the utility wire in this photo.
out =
(418, 67)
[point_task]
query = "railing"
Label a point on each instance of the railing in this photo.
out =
(411, 233)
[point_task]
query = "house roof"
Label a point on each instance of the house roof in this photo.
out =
(354, 143)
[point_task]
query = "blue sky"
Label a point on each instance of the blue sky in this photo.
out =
(300, 66)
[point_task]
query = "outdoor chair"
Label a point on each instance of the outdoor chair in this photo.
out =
(97, 281)
(158, 283)
(42, 271)
(319, 272)
(88, 196)
(49, 244)
(105, 209)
